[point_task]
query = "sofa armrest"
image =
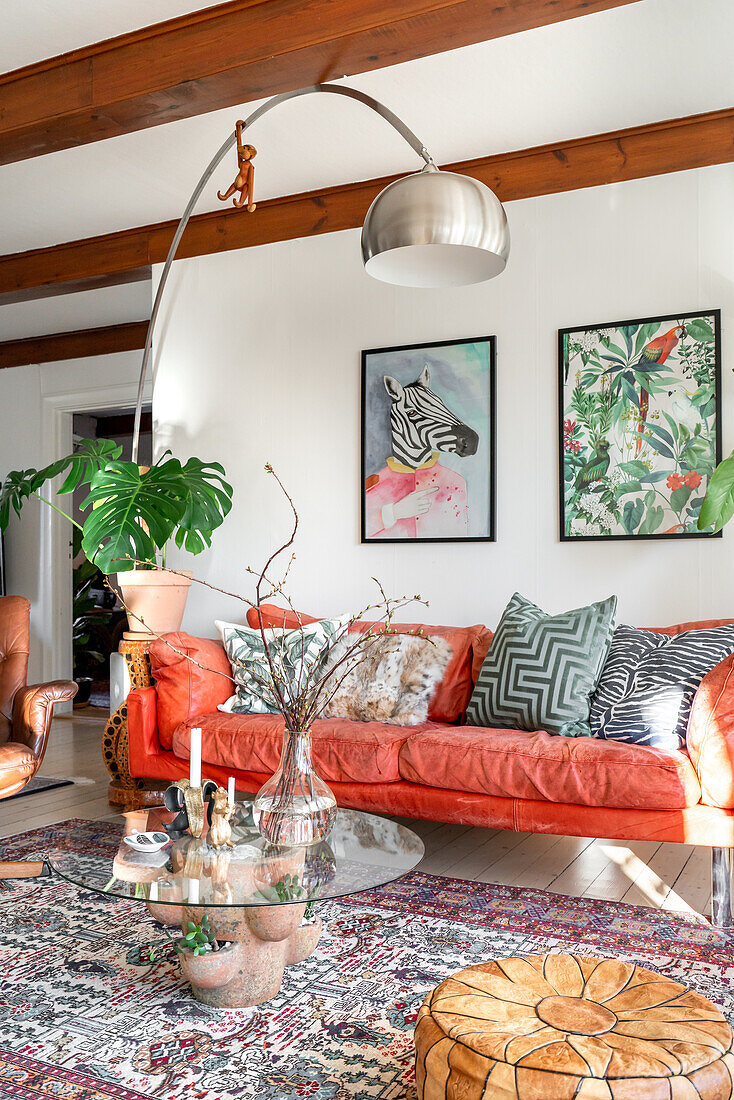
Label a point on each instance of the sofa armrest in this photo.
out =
(33, 708)
(142, 729)
(710, 737)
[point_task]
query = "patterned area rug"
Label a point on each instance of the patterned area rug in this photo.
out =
(83, 1015)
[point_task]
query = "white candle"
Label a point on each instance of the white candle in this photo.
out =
(230, 790)
(195, 758)
(193, 894)
(153, 892)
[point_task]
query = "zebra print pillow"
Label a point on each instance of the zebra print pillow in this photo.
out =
(648, 683)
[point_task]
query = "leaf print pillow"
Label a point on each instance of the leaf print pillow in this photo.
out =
(302, 653)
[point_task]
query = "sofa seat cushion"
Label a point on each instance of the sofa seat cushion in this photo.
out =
(519, 764)
(343, 751)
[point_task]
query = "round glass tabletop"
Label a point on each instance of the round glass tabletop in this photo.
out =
(362, 851)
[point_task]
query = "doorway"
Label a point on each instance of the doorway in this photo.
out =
(98, 619)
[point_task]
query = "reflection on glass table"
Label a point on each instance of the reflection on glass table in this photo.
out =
(363, 851)
(259, 901)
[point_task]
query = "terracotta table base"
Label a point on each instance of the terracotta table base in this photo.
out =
(568, 1027)
(261, 942)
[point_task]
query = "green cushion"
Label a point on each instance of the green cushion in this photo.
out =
(302, 651)
(541, 669)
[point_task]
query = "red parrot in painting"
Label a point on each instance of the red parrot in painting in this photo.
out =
(657, 351)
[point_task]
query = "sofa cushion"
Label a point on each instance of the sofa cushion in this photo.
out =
(480, 649)
(298, 654)
(520, 764)
(680, 628)
(185, 689)
(649, 681)
(452, 695)
(541, 669)
(343, 751)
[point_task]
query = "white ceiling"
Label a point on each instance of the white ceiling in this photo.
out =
(33, 31)
(639, 63)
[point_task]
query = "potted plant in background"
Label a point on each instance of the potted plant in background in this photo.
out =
(131, 514)
(89, 626)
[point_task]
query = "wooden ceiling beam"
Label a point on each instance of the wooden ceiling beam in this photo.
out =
(237, 52)
(655, 149)
(73, 345)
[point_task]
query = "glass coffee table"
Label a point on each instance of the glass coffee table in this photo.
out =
(259, 899)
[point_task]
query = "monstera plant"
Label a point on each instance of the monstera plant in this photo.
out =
(718, 504)
(131, 513)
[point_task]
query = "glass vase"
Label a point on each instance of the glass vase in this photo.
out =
(295, 806)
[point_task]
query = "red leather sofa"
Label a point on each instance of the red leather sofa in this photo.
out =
(444, 771)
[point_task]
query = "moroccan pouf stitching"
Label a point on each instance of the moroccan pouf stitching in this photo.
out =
(569, 1027)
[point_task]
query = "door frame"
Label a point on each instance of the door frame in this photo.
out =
(55, 594)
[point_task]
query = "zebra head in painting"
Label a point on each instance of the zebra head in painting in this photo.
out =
(422, 424)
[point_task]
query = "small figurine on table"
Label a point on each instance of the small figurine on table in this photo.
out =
(220, 831)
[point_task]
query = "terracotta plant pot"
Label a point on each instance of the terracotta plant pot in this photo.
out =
(155, 600)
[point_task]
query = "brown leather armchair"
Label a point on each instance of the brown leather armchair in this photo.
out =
(25, 712)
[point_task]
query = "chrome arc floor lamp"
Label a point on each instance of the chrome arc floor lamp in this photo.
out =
(427, 229)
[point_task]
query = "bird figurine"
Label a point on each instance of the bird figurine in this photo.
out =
(595, 468)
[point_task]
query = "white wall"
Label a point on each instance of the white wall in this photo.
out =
(261, 362)
(36, 403)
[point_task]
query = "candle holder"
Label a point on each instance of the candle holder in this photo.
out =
(193, 805)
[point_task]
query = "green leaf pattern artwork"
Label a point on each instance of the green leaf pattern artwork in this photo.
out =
(639, 426)
(298, 655)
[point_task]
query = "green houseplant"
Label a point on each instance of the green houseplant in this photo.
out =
(718, 504)
(89, 630)
(131, 513)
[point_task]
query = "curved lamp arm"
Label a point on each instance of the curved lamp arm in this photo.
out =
(335, 89)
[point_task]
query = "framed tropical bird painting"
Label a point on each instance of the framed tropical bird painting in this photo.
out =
(428, 442)
(640, 426)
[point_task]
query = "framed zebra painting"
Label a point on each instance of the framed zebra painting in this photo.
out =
(428, 442)
(640, 426)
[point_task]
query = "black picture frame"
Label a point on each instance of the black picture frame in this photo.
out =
(562, 384)
(490, 341)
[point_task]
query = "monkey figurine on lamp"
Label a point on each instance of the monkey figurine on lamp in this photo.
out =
(245, 179)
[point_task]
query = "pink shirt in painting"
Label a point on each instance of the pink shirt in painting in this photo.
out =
(447, 516)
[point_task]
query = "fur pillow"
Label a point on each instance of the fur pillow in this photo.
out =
(393, 684)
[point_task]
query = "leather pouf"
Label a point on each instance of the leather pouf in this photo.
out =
(567, 1027)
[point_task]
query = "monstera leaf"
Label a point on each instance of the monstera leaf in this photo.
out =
(132, 513)
(17, 487)
(208, 499)
(718, 504)
(90, 456)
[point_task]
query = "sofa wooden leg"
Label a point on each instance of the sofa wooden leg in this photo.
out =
(33, 868)
(722, 895)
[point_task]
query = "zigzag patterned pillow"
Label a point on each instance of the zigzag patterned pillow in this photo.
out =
(541, 670)
(647, 687)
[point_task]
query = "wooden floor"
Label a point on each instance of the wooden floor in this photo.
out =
(669, 876)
